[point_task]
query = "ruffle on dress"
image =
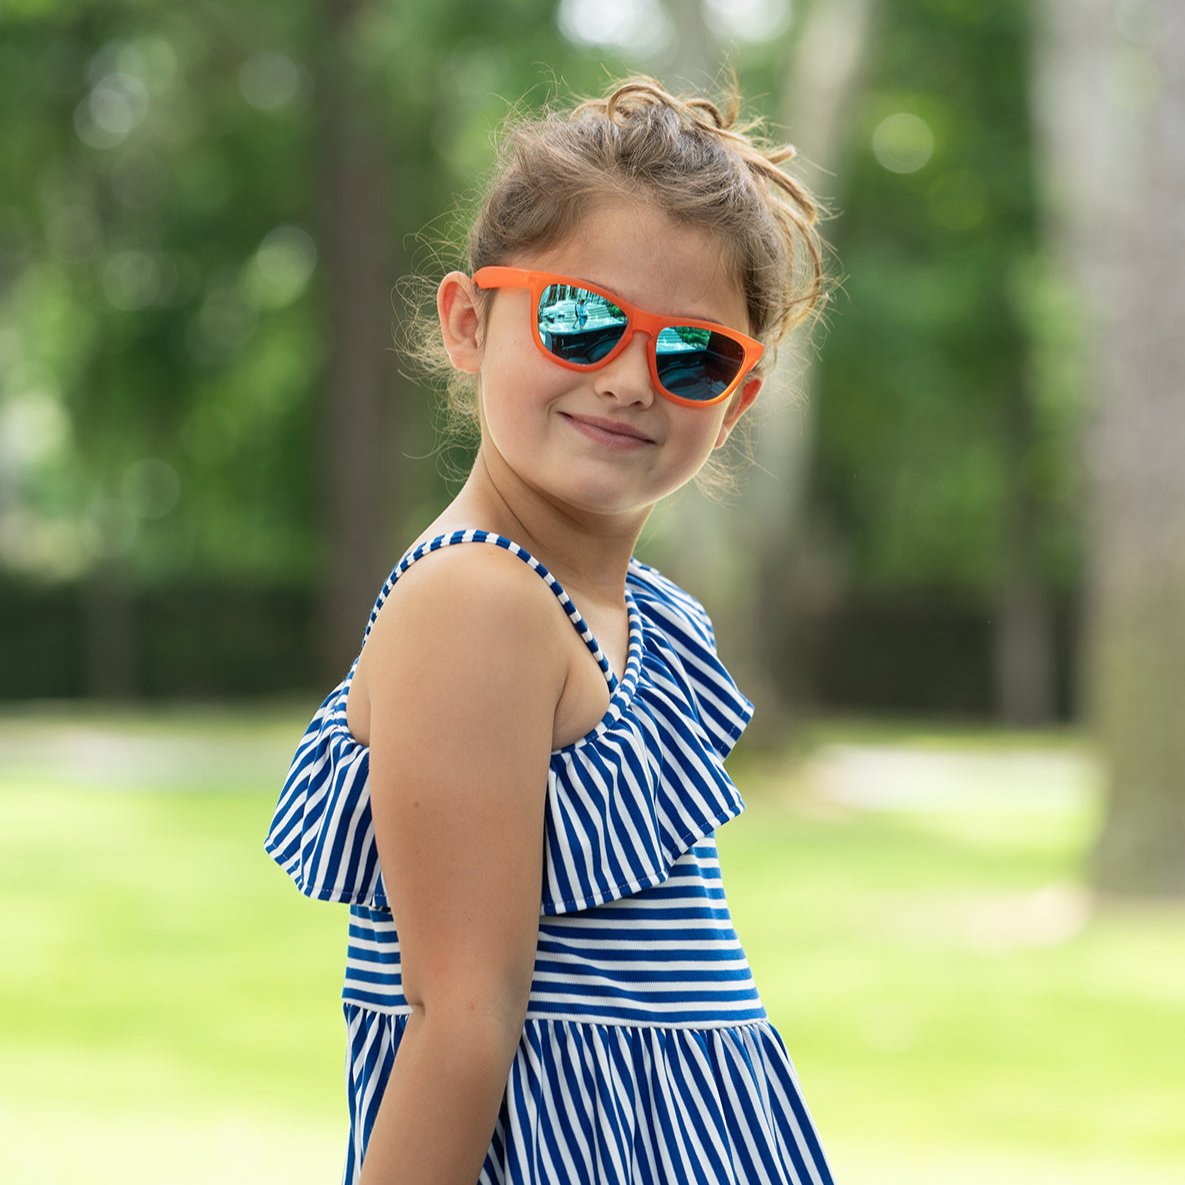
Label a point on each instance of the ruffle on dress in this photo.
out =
(624, 802)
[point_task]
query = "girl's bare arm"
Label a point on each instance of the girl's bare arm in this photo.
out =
(463, 678)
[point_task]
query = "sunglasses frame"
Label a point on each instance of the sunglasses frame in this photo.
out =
(637, 319)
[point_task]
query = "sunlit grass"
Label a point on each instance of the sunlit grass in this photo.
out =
(959, 1009)
(168, 1007)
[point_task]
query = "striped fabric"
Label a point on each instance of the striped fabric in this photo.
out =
(667, 955)
(647, 1055)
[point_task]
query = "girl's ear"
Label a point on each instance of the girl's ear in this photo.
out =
(739, 404)
(460, 321)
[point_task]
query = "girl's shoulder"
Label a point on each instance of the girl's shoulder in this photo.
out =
(471, 590)
(468, 605)
(480, 578)
(475, 576)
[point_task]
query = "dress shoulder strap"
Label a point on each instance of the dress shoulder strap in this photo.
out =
(473, 535)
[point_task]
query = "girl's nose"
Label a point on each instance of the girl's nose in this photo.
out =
(627, 378)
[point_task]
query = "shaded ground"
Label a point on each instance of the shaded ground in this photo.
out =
(184, 749)
(177, 749)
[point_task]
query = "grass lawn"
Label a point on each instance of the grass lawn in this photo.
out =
(959, 1009)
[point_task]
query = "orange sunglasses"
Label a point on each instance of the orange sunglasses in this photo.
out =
(582, 327)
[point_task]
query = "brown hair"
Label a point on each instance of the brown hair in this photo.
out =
(687, 158)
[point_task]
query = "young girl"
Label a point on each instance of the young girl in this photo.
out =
(516, 787)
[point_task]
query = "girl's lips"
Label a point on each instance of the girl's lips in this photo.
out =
(613, 433)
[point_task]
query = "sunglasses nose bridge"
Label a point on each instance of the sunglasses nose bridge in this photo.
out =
(628, 373)
(629, 332)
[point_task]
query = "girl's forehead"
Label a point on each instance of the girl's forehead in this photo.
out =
(642, 254)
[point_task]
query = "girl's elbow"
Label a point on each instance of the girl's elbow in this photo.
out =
(487, 1017)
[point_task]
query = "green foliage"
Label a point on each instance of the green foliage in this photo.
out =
(146, 192)
(937, 326)
(158, 229)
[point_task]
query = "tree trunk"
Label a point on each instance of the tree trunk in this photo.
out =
(354, 219)
(1023, 634)
(696, 55)
(111, 631)
(795, 574)
(1113, 86)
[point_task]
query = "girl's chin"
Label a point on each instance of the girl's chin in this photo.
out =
(604, 498)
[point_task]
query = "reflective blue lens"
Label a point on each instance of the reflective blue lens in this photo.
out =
(577, 325)
(696, 363)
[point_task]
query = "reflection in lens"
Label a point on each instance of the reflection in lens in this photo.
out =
(577, 325)
(695, 363)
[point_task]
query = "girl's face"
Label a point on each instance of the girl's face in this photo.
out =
(604, 441)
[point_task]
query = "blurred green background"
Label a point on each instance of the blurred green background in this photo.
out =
(953, 578)
(212, 448)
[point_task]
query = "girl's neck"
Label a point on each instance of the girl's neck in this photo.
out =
(585, 552)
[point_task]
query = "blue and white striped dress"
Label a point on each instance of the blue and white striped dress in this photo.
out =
(646, 1056)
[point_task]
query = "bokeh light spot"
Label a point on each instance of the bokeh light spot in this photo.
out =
(270, 80)
(115, 106)
(222, 325)
(636, 27)
(280, 269)
(903, 142)
(150, 487)
(747, 20)
(1137, 20)
(33, 426)
(132, 280)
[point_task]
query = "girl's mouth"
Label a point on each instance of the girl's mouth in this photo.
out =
(613, 433)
